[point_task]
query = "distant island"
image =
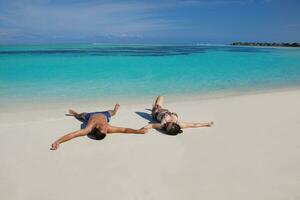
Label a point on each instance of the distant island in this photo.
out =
(267, 44)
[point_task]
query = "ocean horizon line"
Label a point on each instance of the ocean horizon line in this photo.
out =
(116, 43)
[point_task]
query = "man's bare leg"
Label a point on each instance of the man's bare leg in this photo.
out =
(72, 112)
(78, 116)
(115, 110)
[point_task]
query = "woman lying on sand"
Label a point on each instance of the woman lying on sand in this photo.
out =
(169, 120)
(96, 123)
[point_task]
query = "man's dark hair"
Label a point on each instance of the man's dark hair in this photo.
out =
(97, 134)
(174, 130)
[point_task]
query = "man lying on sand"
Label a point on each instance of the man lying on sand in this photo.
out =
(169, 120)
(96, 123)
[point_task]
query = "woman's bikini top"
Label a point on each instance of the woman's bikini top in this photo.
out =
(165, 114)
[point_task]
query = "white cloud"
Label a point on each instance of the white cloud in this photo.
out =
(85, 19)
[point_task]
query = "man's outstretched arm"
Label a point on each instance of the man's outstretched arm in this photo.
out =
(114, 129)
(70, 136)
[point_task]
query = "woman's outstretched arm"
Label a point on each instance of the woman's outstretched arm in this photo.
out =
(195, 125)
(154, 125)
(70, 136)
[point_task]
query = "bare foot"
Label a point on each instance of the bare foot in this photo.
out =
(210, 124)
(73, 112)
(54, 146)
(117, 106)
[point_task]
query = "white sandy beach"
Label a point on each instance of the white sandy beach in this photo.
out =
(251, 153)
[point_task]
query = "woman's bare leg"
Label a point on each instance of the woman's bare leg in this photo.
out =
(159, 101)
(115, 110)
(157, 106)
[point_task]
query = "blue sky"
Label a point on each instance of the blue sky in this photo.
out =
(152, 21)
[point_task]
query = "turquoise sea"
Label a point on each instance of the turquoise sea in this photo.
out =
(97, 71)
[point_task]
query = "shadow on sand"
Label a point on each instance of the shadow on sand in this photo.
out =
(147, 116)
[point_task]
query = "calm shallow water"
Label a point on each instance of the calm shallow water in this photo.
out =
(66, 72)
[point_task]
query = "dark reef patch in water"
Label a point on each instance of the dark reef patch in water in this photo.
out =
(115, 51)
(132, 50)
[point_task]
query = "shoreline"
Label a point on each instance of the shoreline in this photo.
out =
(36, 113)
(42, 104)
